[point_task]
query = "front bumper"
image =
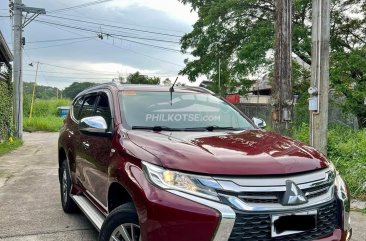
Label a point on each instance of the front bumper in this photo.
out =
(174, 215)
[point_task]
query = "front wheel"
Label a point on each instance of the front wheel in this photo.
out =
(121, 225)
(68, 205)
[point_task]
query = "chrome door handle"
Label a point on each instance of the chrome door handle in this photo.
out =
(85, 144)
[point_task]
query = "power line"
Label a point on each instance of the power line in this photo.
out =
(80, 6)
(129, 24)
(135, 52)
(70, 68)
(58, 40)
(109, 34)
(115, 26)
(57, 45)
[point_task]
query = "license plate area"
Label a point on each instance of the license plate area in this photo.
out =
(291, 223)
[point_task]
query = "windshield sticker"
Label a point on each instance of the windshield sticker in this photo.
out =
(128, 93)
(177, 117)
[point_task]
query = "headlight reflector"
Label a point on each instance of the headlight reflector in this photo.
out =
(172, 180)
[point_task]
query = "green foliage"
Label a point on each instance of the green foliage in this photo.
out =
(45, 115)
(241, 34)
(138, 78)
(6, 97)
(43, 123)
(7, 146)
(41, 92)
(75, 88)
(302, 133)
(348, 77)
(347, 150)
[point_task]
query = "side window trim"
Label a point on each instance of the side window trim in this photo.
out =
(75, 117)
(107, 93)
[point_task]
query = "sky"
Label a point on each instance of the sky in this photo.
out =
(137, 35)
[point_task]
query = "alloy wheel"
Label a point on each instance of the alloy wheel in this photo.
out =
(64, 185)
(126, 232)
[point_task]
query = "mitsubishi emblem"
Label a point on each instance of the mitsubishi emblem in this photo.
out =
(293, 195)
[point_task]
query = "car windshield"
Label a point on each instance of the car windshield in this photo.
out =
(185, 111)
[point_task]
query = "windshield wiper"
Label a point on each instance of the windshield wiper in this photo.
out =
(212, 128)
(155, 128)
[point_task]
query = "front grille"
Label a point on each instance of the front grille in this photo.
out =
(276, 197)
(257, 227)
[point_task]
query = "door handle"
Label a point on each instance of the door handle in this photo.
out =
(85, 144)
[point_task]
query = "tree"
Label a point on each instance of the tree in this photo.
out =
(240, 33)
(167, 82)
(75, 88)
(138, 78)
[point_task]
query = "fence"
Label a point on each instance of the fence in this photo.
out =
(264, 111)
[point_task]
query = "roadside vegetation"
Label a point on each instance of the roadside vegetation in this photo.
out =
(347, 150)
(8, 146)
(45, 115)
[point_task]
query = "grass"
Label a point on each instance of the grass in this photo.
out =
(7, 146)
(45, 115)
(43, 123)
(347, 150)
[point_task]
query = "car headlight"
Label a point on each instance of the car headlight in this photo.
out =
(172, 180)
(341, 187)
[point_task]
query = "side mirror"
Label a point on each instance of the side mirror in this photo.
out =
(94, 125)
(260, 123)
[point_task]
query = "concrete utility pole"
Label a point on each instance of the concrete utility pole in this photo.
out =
(282, 87)
(17, 8)
(17, 67)
(34, 92)
(320, 74)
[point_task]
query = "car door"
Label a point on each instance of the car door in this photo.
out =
(96, 154)
(87, 110)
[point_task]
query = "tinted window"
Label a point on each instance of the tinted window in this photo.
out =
(186, 110)
(87, 109)
(76, 107)
(104, 110)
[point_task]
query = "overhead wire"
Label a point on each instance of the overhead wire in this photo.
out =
(135, 52)
(79, 6)
(115, 26)
(111, 34)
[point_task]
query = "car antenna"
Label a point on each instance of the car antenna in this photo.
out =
(171, 90)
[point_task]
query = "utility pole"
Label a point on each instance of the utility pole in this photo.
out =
(33, 95)
(17, 66)
(320, 75)
(17, 8)
(282, 87)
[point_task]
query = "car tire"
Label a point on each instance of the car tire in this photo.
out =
(120, 222)
(68, 205)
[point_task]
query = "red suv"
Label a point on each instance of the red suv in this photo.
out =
(152, 163)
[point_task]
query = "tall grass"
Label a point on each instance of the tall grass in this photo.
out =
(45, 115)
(347, 150)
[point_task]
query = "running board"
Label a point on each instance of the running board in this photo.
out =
(91, 212)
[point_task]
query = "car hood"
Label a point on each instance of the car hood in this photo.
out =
(252, 152)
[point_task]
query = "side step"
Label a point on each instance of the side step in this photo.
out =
(91, 212)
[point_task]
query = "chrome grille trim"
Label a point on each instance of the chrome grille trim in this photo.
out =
(275, 184)
(255, 196)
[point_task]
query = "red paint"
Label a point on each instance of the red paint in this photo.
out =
(233, 99)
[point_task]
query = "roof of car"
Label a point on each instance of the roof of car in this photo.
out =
(142, 87)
